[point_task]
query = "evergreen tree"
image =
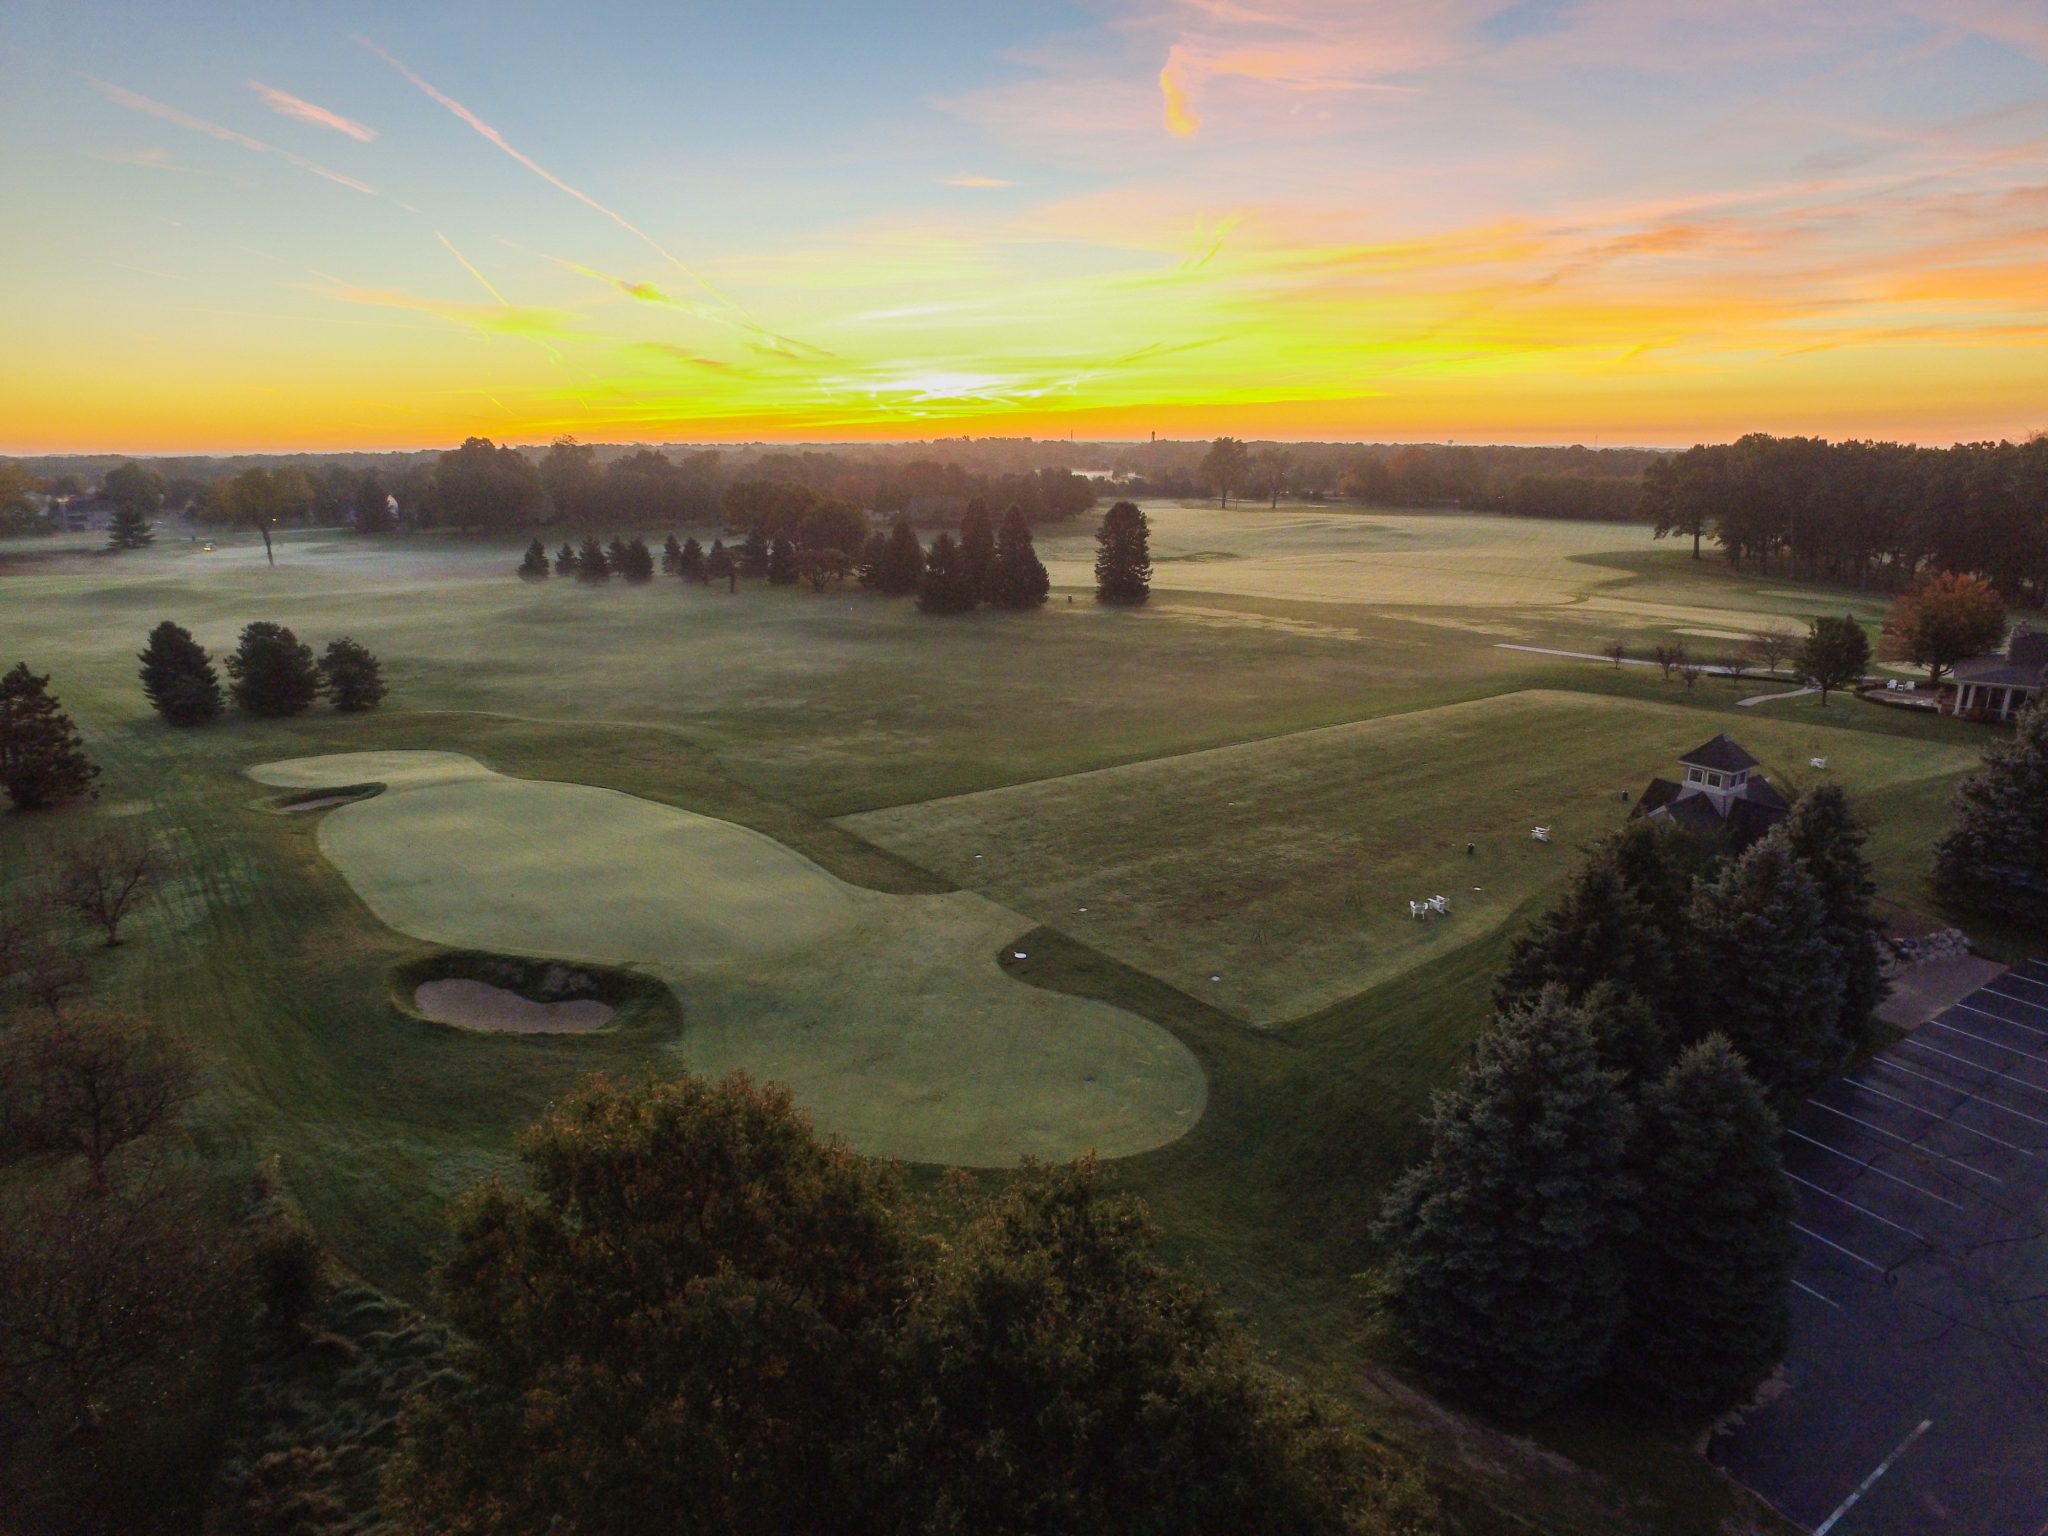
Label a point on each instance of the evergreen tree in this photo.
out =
(566, 561)
(1761, 934)
(671, 557)
(901, 570)
(720, 565)
(615, 554)
(129, 529)
(945, 587)
(1123, 556)
(1624, 920)
(978, 547)
(754, 552)
(1506, 1266)
(1712, 1260)
(1826, 835)
(273, 674)
(42, 759)
(1995, 857)
(636, 562)
(875, 551)
(136, 493)
(351, 676)
(782, 571)
(592, 564)
(178, 676)
(690, 561)
(1018, 579)
(535, 566)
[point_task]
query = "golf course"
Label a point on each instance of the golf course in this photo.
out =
(976, 888)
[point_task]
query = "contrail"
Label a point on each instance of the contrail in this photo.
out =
(542, 171)
(470, 267)
(135, 102)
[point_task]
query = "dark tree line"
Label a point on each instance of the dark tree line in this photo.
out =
(693, 1309)
(272, 674)
(1860, 513)
(1603, 1199)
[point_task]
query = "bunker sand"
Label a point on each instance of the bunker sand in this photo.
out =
(886, 1016)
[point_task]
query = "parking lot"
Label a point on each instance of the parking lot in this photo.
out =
(1916, 1396)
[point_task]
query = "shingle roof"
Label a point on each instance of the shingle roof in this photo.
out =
(1999, 672)
(1720, 753)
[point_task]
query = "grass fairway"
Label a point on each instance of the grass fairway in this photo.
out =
(885, 1015)
(1285, 867)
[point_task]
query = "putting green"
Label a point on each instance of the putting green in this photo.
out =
(886, 1016)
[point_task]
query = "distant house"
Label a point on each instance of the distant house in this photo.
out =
(2001, 686)
(1721, 795)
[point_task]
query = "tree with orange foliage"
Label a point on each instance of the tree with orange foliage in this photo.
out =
(1944, 619)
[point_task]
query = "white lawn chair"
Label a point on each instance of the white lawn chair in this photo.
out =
(1539, 834)
(1418, 909)
(1891, 685)
(1440, 905)
(1819, 762)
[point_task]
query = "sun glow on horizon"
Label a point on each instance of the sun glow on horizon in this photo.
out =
(1536, 221)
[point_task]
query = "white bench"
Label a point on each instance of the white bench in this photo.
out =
(1539, 834)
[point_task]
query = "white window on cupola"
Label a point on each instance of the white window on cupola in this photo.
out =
(1713, 781)
(1694, 776)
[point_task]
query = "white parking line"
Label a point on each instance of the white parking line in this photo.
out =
(1971, 1130)
(1869, 1167)
(1907, 1142)
(1976, 1066)
(1970, 1095)
(2015, 1023)
(1865, 1486)
(2012, 997)
(1851, 1252)
(1801, 1285)
(1996, 1045)
(1918, 1237)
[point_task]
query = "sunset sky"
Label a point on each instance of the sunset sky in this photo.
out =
(325, 225)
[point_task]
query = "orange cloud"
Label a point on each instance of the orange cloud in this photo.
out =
(1180, 115)
(284, 104)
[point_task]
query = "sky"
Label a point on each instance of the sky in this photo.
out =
(288, 225)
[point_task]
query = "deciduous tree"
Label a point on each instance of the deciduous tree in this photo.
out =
(104, 877)
(687, 1312)
(1834, 653)
(87, 1083)
(1945, 619)
(42, 758)
(178, 676)
(1227, 463)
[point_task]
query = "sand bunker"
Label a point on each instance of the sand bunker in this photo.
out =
(319, 804)
(886, 1017)
(479, 1005)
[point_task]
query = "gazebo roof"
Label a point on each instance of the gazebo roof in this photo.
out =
(1721, 754)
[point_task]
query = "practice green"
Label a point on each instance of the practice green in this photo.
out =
(886, 1016)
